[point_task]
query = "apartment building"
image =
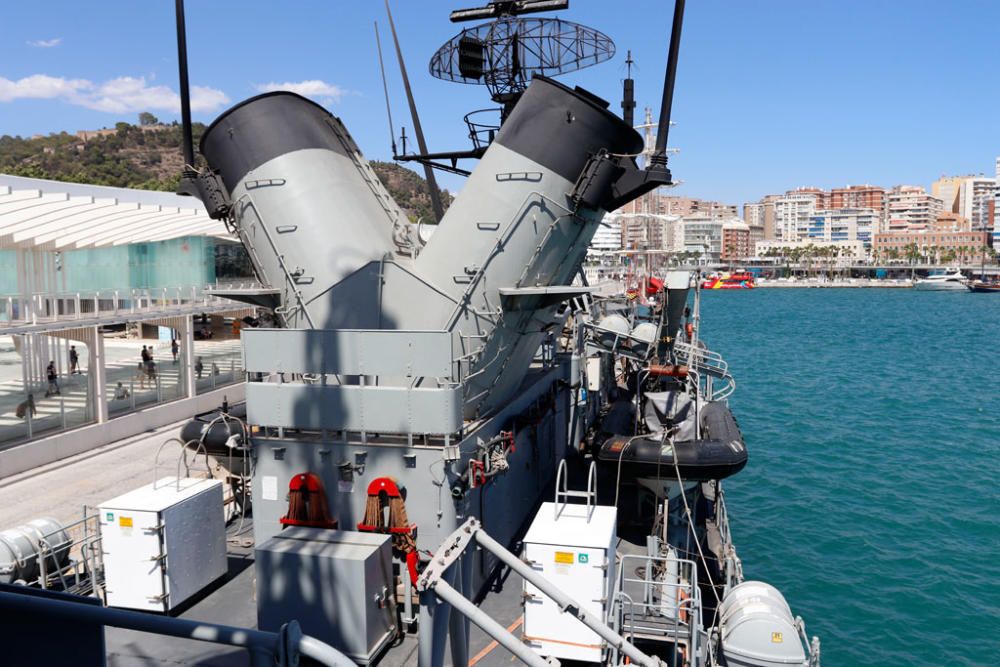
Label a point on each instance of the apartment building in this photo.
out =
(792, 213)
(976, 201)
(931, 243)
(909, 207)
(857, 197)
(608, 237)
(703, 236)
(996, 208)
(845, 224)
(761, 215)
(736, 241)
(946, 189)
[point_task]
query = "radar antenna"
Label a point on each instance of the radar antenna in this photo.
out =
(506, 52)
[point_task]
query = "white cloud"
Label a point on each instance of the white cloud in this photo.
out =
(207, 99)
(313, 88)
(46, 43)
(124, 94)
(41, 87)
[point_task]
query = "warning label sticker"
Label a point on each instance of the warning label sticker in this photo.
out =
(564, 557)
(125, 521)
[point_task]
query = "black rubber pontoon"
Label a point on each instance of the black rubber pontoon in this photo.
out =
(719, 454)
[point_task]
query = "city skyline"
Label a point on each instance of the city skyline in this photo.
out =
(755, 114)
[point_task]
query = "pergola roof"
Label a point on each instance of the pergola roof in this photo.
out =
(51, 215)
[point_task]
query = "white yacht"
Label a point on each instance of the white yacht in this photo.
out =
(953, 280)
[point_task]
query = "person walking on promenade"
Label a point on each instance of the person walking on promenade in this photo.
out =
(198, 367)
(121, 393)
(53, 377)
(151, 368)
(174, 348)
(74, 361)
(26, 407)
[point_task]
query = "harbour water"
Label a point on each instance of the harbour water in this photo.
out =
(871, 497)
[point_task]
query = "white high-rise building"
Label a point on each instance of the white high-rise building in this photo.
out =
(703, 237)
(753, 213)
(791, 216)
(608, 237)
(976, 197)
(845, 224)
(996, 208)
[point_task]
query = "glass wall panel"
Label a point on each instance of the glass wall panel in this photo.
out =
(40, 408)
(172, 263)
(218, 355)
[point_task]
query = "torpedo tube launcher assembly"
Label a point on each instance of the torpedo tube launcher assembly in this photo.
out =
(418, 397)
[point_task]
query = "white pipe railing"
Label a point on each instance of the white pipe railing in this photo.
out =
(56, 306)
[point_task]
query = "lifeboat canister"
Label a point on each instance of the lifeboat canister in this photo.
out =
(20, 550)
(758, 629)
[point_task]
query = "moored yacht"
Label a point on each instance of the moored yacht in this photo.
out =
(952, 280)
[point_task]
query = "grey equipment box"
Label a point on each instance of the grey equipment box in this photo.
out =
(337, 584)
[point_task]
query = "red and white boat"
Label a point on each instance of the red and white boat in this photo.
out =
(738, 280)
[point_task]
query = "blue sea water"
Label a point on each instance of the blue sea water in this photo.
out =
(871, 498)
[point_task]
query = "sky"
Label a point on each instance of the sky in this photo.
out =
(770, 94)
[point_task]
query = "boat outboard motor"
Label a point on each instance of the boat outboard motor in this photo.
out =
(676, 289)
(305, 202)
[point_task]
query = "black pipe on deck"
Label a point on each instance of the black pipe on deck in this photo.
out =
(659, 156)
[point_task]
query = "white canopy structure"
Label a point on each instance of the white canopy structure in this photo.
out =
(38, 214)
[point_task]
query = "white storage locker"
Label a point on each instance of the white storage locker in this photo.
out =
(162, 543)
(575, 550)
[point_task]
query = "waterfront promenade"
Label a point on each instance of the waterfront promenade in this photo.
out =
(221, 364)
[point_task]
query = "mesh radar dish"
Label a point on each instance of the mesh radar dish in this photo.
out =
(505, 53)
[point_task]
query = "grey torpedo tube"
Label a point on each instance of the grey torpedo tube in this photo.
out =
(520, 224)
(307, 205)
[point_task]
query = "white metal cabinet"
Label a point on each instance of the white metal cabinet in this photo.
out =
(574, 550)
(162, 543)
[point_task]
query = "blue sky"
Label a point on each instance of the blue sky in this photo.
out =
(771, 94)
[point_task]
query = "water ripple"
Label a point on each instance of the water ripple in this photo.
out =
(870, 497)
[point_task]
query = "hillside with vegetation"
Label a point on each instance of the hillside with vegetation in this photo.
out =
(148, 156)
(409, 190)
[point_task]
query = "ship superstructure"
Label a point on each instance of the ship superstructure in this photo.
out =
(419, 398)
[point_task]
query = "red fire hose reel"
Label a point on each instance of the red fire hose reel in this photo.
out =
(307, 503)
(401, 530)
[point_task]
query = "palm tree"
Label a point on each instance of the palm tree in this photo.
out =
(809, 253)
(912, 254)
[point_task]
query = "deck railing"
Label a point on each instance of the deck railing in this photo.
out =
(657, 599)
(710, 369)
